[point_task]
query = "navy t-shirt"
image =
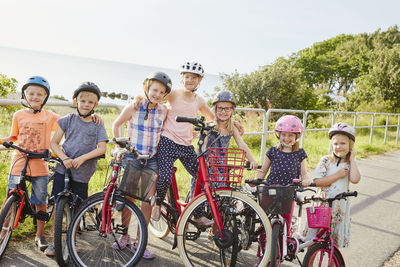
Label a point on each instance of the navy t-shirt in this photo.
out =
(285, 166)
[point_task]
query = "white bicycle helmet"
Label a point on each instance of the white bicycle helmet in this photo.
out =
(342, 128)
(192, 67)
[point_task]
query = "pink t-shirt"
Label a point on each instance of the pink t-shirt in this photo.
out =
(33, 132)
(180, 132)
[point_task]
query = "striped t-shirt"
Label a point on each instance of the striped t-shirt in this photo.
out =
(145, 134)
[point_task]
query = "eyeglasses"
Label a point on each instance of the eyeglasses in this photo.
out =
(226, 109)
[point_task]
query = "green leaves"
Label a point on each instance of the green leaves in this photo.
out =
(344, 72)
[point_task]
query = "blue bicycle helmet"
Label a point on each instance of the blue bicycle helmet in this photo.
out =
(37, 80)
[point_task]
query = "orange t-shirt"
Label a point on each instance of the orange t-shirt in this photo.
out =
(33, 132)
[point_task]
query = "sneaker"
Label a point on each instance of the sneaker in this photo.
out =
(203, 221)
(156, 213)
(50, 251)
(41, 243)
(123, 242)
(148, 255)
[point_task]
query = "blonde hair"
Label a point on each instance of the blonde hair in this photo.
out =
(229, 122)
(332, 157)
(295, 147)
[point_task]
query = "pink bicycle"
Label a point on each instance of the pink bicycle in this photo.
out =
(286, 244)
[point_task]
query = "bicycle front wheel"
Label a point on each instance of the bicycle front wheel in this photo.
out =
(88, 246)
(242, 220)
(62, 221)
(160, 228)
(7, 220)
(275, 245)
(318, 255)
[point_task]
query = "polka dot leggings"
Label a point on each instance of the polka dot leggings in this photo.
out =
(168, 153)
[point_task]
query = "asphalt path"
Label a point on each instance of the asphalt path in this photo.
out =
(375, 229)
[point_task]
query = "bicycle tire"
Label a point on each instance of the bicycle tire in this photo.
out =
(63, 219)
(275, 245)
(88, 247)
(8, 216)
(318, 250)
(160, 228)
(197, 250)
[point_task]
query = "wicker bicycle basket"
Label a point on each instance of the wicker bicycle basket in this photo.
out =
(137, 181)
(276, 199)
(319, 217)
(226, 165)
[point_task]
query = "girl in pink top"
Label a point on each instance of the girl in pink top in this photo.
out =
(176, 138)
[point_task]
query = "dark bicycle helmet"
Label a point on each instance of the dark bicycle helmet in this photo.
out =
(342, 128)
(87, 87)
(224, 96)
(162, 78)
(192, 67)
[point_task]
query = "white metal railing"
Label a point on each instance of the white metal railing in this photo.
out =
(266, 118)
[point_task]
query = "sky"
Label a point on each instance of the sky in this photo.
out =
(223, 35)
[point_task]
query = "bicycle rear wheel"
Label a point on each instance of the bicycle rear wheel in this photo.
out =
(62, 221)
(241, 217)
(89, 247)
(7, 219)
(318, 255)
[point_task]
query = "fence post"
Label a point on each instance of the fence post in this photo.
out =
(398, 128)
(264, 136)
(303, 136)
(372, 128)
(386, 128)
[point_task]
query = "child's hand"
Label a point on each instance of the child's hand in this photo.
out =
(342, 172)
(306, 182)
(239, 127)
(68, 163)
(253, 165)
(97, 119)
(249, 184)
(76, 163)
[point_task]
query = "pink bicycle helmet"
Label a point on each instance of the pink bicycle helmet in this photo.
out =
(289, 123)
(342, 128)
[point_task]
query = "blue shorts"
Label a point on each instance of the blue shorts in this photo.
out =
(81, 189)
(38, 188)
(151, 163)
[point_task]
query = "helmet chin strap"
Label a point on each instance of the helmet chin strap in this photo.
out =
(339, 159)
(85, 116)
(27, 105)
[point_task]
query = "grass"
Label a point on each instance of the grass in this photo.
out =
(316, 145)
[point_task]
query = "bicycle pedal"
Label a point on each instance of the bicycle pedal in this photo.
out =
(43, 216)
(121, 229)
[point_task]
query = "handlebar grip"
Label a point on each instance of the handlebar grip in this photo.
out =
(313, 185)
(351, 194)
(186, 119)
(7, 144)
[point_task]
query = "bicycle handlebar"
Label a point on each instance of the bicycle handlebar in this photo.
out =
(123, 142)
(31, 154)
(330, 200)
(193, 121)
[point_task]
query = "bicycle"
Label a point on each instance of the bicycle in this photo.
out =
(237, 217)
(91, 243)
(277, 200)
(18, 206)
(67, 203)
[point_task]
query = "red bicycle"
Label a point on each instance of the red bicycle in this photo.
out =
(238, 218)
(99, 223)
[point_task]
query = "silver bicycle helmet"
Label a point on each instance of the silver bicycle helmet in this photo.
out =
(224, 96)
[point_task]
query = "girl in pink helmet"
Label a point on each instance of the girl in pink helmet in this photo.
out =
(333, 174)
(286, 161)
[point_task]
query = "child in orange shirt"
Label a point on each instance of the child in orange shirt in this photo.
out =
(32, 128)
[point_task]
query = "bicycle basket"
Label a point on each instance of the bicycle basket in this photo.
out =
(276, 199)
(137, 181)
(319, 217)
(226, 164)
